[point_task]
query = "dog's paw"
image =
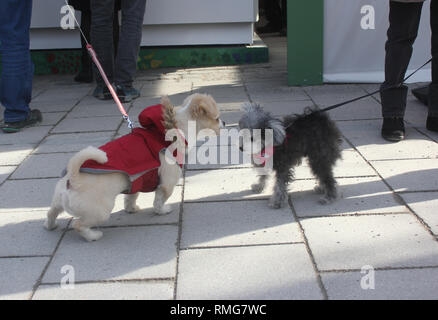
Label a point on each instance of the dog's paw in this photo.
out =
(132, 209)
(257, 188)
(325, 200)
(319, 189)
(165, 209)
(275, 203)
(50, 225)
(91, 235)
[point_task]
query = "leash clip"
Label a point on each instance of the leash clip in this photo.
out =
(130, 123)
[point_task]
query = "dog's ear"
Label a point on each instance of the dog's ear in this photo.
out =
(279, 134)
(203, 106)
(251, 107)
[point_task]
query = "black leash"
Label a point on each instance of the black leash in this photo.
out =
(372, 93)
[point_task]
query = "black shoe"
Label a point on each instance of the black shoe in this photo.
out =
(422, 94)
(432, 124)
(269, 28)
(84, 77)
(127, 93)
(393, 129)
(102, 92)
(13, 127)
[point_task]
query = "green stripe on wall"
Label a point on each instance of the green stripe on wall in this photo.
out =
(305, 42)
(68, 61)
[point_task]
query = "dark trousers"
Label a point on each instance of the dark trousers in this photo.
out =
(86, 27)
(275, 12)
(404, 21)
(120, 69)
(17, 67)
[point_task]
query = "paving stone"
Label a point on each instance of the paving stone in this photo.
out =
(22, 233)
(416, 113)
(340, 243)
(52, 118)
(72, 142)
(326, 95)
(149, 290)
(367, 108)
(409, 175)
(54, 105)
(219, 185)
(405, 284)
(231, 118)
(12, 155)
(122, 253)
(26, 195)
(262, 92)
(146, 215)
(161, 88)
(425, 205)
(247, 273)
(231, 106)
(237, 223)
(365, 135)
(356, 196)
(236, 91)
(88, 124)
(85, 110)
(283, 108)
(5, 172)
(62, 93)
(32, 135)
(18, 276)
(42, 166)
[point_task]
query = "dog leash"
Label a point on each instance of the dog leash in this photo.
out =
(93, 56)
(373, 93)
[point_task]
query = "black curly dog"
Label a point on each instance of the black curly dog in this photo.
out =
(313, 135)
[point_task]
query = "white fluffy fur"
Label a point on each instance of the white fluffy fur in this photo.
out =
(90, 197)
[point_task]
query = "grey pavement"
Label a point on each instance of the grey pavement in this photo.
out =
(378, 241)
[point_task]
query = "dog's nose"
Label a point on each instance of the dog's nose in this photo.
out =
(222, 123)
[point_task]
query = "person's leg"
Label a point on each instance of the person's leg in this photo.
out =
(432, 120)
(404, 20)
(17, 67)
(129, 45)
(273, 16)
(86, 73)
(116, 26)
(102, 12)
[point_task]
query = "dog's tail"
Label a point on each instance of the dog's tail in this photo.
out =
(89, 153)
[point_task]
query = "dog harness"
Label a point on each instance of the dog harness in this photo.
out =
(136, 154)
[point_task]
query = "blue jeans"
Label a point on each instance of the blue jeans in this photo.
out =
(16, 64)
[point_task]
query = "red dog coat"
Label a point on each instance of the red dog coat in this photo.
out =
(136, 154)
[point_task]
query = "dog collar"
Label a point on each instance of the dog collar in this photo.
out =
(267, 153)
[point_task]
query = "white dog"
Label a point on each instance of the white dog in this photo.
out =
(90, 197)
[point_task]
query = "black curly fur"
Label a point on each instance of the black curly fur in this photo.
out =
(313, 135)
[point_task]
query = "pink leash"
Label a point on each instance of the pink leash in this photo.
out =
(108, 84)
(101, 71)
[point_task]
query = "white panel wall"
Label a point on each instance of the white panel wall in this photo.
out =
(352, 54)
(166, 22)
